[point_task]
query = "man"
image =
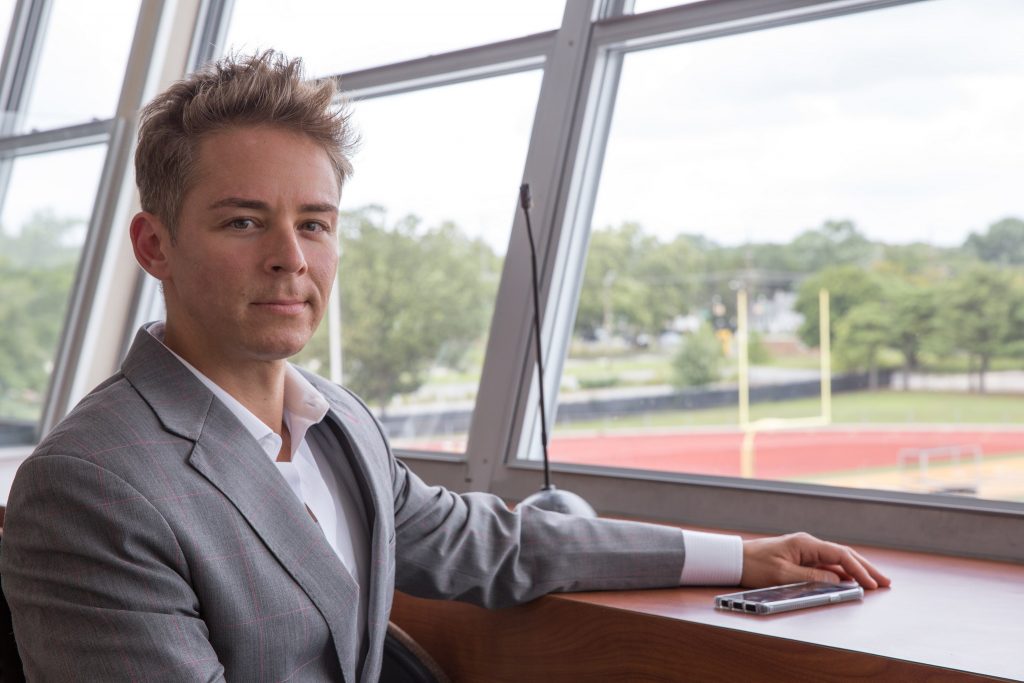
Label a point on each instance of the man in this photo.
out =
(211, 512)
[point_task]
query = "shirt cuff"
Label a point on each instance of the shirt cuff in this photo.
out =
(711, 559)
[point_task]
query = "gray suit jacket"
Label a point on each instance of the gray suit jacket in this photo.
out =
(150, 538)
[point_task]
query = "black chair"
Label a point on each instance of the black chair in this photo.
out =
(10, 661)
(406, 662)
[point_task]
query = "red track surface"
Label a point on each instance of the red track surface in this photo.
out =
(778, 455)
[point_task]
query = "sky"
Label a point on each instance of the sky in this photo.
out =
(904, 120)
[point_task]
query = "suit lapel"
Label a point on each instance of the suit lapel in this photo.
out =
(232, 461)
(369, 460)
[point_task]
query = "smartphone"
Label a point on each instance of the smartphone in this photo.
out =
(789, 597)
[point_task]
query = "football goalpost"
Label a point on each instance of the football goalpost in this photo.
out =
(750, 427)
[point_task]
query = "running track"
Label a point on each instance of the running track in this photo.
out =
(778, 455)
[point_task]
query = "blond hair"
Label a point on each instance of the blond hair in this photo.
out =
(261, 89)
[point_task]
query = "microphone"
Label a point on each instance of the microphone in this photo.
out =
(549, 497)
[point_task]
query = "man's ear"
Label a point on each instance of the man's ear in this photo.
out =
(151, 243)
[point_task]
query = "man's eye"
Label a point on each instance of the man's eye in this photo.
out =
(241, 224)
(315, 226)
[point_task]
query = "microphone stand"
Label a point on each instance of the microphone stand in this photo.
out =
(549, 497)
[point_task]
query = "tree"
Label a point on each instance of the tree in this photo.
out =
(410, 299)
(670, 273)
(848, 286)
(834, 243)
(925, 264)
(1003, 242)
(913, 322)
(633, 283)
(861, 334)
(37, 266)
(699, 361)
(757, 352)
(980, 308)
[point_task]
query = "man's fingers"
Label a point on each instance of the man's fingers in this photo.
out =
(838, 571)
(821, 553)
(817, 574)
(857, 570)
(878, 576)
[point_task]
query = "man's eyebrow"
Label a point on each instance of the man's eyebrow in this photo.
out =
(240, 203)
(259, 205)
(326, 207)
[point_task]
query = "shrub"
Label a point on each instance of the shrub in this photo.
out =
(699, 361)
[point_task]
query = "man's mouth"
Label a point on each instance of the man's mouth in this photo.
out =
(281, 306)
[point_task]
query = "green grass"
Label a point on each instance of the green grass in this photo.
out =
(866, 407)
(655, 368)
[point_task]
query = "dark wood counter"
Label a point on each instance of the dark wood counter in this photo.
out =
(944, 619)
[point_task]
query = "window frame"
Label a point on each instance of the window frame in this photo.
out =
(102, 292)
(979, 528)
(581, 61)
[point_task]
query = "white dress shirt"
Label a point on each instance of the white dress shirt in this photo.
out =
(309, 477)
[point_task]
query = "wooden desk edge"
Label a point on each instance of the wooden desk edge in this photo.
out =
(555, 639)
(642, 636)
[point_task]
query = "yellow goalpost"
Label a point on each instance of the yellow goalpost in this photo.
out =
(751, 427)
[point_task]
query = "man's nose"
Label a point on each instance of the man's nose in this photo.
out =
(284, 251)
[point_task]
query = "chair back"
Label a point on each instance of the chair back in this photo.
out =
(10, 661)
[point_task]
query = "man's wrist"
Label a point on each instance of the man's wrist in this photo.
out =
(711, 559)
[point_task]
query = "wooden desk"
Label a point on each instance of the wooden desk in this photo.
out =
(944, 619)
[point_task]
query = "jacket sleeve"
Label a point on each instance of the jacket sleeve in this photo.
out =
(97, 584)
(471, 547)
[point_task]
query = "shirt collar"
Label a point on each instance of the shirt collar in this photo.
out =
(304, 405)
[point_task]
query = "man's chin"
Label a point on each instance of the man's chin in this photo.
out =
(278, 348)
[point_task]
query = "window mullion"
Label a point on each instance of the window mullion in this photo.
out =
(486, 61)
(20, 59)
(41, 142)
(206, 43)
(21, 56)
(706, 20)
(99, 308)
(503, 404)
(210, 33)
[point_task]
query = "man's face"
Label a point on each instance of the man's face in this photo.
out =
(256, 248)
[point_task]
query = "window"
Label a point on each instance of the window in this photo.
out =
(54, 143)
(426, 217)
(859, 155)
(63, 91)
(687, 151)
(6, 10)
(426, 220)
(41, 235)
(347, 36)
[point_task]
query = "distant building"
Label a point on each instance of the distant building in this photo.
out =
(775, 314)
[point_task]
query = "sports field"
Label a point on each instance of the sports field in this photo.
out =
(846, 455)
(861, 449)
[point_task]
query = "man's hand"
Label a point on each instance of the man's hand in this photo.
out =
(802, 557)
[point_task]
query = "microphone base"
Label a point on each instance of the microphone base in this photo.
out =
(556, 500)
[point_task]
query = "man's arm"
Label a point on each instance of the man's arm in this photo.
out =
(471, 547)
(96, 582)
